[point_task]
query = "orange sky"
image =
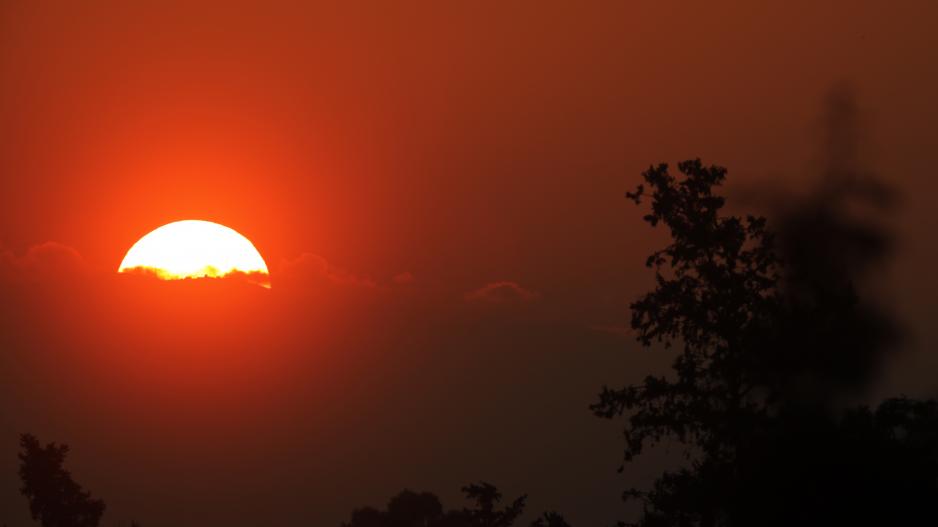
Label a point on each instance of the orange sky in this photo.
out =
(452, 146)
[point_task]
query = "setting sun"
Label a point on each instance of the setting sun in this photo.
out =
(194, 249)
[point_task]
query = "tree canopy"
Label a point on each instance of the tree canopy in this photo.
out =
(55, 499)
(771, 332)
(412, 509)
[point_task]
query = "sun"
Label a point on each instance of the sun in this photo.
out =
(195, 249)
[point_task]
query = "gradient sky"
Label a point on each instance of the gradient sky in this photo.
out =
(438, 190)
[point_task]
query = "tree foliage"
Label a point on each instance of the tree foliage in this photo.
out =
(771, 334)
(715, 293)
(411, 509)
(55, 499)
(550, 519)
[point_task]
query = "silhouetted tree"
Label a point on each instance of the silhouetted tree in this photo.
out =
(550, 519)
(771, 330)
(410, 509)
(55, 499)
(485, 514)
(716, 294)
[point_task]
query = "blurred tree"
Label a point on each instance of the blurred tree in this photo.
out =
(55, 499)
(772, 336)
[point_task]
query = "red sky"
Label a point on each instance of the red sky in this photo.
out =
(481, 151)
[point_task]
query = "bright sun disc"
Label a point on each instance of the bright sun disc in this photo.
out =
(194, 249)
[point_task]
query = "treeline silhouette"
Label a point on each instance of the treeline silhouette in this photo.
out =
(410, 509)
(56, 500)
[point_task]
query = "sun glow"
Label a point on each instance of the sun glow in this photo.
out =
(195, 249)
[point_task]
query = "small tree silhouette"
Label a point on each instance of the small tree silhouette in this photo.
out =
(55, 499)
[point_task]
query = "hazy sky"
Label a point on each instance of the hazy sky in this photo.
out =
(438, 190)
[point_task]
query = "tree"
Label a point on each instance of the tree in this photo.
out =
(550, 519)
(55, 499)
(411, 509)
(770, 337)
(715, 294)
(485, 514)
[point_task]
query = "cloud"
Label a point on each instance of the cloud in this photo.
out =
(403, 278)
(49, 260)
(309, 265)
(206, 273)
(502, 292)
